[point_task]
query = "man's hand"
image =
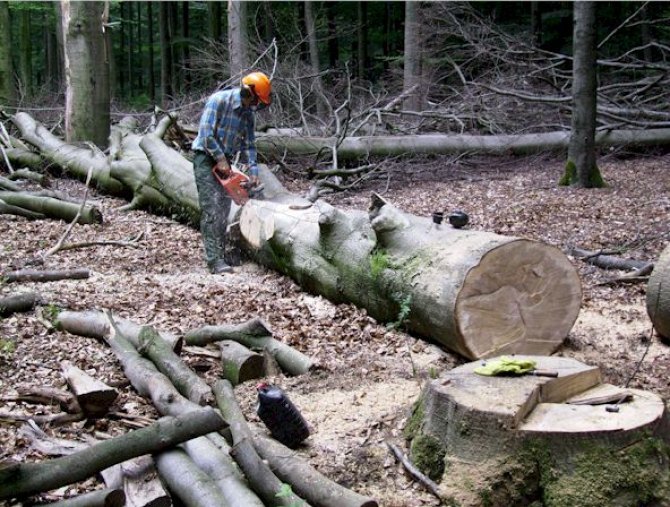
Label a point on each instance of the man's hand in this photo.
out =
(254, 181)
(222, 167)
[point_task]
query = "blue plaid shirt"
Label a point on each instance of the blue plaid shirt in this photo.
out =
(227, 127)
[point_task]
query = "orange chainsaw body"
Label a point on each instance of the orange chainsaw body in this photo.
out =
(235, 184)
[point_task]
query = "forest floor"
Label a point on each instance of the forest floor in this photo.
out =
(369, 375)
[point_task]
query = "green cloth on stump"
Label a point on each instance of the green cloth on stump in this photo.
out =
(506, 366)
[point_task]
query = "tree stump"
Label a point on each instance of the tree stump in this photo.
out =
(658, 295)
(511, 440)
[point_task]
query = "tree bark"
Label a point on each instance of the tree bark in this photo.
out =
(20, 302)
(237, 37)
(87, 100)
(314, 487)
(30, 478)
(7, 90)
(221, 468)
(76, 160)
(256, 335)
(172, 366)
(412, 56)
(166, 52)
(140, 482)
(658, 295)
(582, 148)
(193, 486)
(477, 293)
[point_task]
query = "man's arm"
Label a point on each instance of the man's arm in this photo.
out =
(252, 154)
(208, 123)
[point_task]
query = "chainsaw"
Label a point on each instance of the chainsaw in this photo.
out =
(237, 185)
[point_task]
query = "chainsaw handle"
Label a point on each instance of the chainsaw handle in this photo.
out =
(222, 169)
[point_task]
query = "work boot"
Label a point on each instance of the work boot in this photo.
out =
(220, 267)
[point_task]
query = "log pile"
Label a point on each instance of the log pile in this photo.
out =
(201, 470)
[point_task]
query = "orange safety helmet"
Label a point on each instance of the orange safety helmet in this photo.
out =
(260, 85)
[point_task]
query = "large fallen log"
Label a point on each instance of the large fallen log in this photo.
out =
(658, 295)
(30, 478)
(477, 293)
(385, 146)
(33, 275)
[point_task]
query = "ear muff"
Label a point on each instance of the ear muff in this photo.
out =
(246, 92)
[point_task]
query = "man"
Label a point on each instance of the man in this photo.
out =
(226, 128)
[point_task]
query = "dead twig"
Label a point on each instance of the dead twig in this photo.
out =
(62, 239)
(417, 475)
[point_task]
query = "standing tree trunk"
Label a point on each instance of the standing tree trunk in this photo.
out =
(314, 59)
(166, 51)
(333, 43)
(52, 60)
(150, 35)
(581, 169)
(87, 116)
(412, 57)
(7, 92)
(237, 36)
(214, 15)
(362, 39)
(25, 52)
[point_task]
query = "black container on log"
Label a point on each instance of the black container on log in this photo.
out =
(281, 416)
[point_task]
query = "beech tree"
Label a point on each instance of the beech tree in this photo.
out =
(412, 56)
(87, 98)
(237, 36)
(6, 68)
(581, 169)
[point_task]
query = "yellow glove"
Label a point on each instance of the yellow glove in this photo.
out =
(506, 366)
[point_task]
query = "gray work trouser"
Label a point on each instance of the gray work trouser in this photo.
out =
(214, 208)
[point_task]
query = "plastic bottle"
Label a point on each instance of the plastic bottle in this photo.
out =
(281, 416)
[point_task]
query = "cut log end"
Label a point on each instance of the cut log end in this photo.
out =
(658, 295)
(523, 297)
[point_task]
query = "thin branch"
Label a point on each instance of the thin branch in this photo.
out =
(59, 244)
